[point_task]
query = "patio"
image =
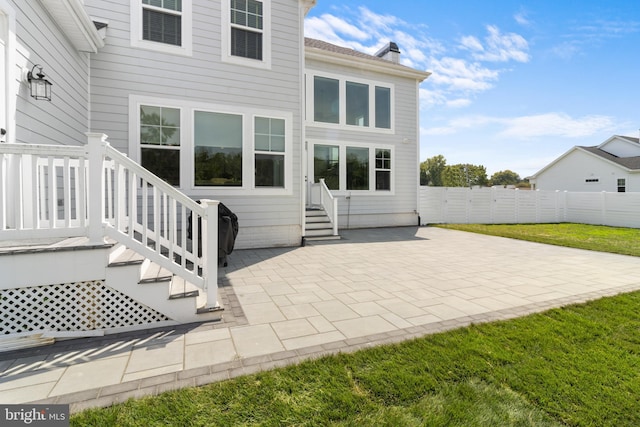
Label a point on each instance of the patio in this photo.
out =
(284, 305)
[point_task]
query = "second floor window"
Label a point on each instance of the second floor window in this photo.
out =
(162, 21)
(246, 29)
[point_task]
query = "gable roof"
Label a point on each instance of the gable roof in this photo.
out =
(327, 52)
(632, 163)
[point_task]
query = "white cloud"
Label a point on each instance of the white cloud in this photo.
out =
(521, 18)
(556, 124)
(459, 75)
(471, 43)
(552, 124)
(498, 47)
(453, 78)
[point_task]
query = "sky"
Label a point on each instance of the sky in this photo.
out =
(514, 84)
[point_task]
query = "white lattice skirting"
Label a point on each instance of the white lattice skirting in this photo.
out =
(82, 306)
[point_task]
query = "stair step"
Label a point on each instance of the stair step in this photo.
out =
(313, 219)
(312, 213)
(155, 273)
(180, 288)
(127, 257)
(319, 226)
(321, 238)
(319, 232)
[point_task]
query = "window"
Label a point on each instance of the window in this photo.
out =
(383, 169)
(217, 139)
(348, 167)
(622, 185)
(357, 104)
(357, 168)
(246, 28)
(383, 107)
(338, 101)
(326, 98)
(326, 165)
(162, 25)
(592, 180)
(203, 147)
(269, 139)
(246, 37)
(162, 21)
(160, 142)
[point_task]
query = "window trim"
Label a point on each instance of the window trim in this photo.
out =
(137, 40)
(187, 146)
(621, 186)
(226, 26)
(342, 101)
(342, 174)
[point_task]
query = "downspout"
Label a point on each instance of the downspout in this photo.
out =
(302, 12)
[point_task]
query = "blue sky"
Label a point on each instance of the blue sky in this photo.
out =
(514, 84)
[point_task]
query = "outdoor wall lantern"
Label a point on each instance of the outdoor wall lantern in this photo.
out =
(38, 84)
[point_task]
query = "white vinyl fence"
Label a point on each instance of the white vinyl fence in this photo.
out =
(508, 206)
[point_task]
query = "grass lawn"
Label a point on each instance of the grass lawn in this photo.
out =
(583, 236)
(577, 365)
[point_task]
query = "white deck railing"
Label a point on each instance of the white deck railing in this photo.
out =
(96, 191)
(328, 202)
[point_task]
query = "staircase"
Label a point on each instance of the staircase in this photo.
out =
(318, 225)
(92, 243)
(158, 288)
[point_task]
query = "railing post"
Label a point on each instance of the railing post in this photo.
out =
(210, 252)
(96, 150)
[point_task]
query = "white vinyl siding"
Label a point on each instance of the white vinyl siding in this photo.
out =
(37, 39)
(162, 25)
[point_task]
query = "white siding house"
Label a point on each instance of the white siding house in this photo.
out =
(612, 166)
(156, 104)
(224, 101)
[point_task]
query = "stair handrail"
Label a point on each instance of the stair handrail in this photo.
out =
(163, 239)
(330, 205)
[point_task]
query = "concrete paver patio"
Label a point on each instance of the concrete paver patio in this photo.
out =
(285, 305)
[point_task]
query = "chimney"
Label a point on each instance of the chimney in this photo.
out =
(390, 52)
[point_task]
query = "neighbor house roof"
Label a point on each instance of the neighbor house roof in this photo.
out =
(632, 163)
(323, 51)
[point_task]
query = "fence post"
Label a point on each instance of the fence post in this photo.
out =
(210, 252)
(96, 150)
(603, 208)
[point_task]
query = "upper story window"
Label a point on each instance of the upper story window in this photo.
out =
(161, 25)
(162, 21)
(246, 29)
(246, 32)
(342, 101)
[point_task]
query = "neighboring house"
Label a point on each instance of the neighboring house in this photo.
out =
(612, 166)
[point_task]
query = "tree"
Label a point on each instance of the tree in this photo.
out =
(505, 177)
(464, 175)
(431, 171)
